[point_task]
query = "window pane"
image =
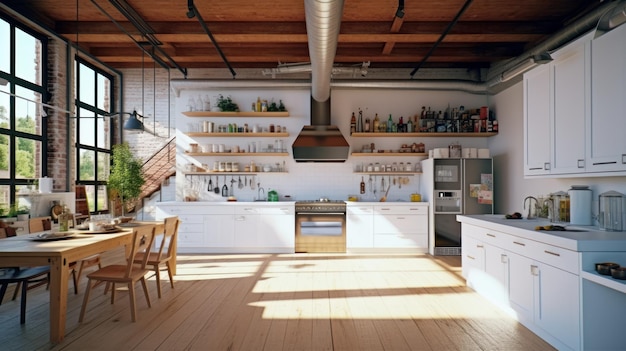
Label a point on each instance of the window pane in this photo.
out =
(104, 166)
(4, 199)
(27, 158)
(28, 57)
(87, 127)
(27, 113)
(87, 85)
(5, 47)
(4, 106)
(4, 156)
(104, 100)
(87, 165)
(103, 132)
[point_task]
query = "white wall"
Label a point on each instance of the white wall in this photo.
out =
(507, 148)
(306, 181)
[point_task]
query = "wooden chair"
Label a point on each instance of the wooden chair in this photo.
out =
(156, 259)
(26, 279)
(129, 273)
(39, 224)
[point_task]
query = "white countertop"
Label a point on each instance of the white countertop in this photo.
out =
(358, 203)
(592, 239)
(224, 203)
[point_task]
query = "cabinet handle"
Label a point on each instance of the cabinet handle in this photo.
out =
(470, 257)
(535, 168)
(480, 246)
(491, 235)
(581, 163)
(546, 166)
(623, 158)
(534, 270)
(504, 258)
(551, 253)
(604, 163)
(384, 209)
(400, 218)
(518, 243)
(240, 218)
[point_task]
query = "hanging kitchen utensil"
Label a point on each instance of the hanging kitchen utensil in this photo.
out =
(217, 185)
(252, 183)
(240, 186)
(224, 188)
(231, 192)
(210, 187)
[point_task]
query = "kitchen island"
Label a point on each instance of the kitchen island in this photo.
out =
(547, 279)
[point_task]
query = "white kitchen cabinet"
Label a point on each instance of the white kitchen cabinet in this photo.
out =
(401, 226)
(537, 121)
(570, 77)
(556, 108)
(533, 280)
(606, 148)
(219, 232)
(359, 226)
(265, 228)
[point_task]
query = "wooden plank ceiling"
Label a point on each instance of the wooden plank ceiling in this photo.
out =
(261, 34)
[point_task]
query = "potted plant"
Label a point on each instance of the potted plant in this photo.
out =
(126, 178)
(226, 104)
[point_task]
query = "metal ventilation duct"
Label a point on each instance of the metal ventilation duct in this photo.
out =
(323, 19)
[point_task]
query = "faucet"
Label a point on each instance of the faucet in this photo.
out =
(258, 193)
(550, 205)
(530, 205)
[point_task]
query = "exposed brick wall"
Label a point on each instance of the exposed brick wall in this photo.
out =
(57, 121)
(155, 107)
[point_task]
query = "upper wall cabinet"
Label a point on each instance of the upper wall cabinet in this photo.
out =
(606, 148)
(573, 110)
(537, 121)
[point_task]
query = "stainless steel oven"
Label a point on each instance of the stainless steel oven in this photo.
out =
(320, 226)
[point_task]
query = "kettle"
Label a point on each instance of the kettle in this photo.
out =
(611, 214)
(272, 195)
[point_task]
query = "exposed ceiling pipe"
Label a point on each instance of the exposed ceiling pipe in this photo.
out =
(323, 20)
(567, 34)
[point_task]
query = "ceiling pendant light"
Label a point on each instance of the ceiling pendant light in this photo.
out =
(133, 123)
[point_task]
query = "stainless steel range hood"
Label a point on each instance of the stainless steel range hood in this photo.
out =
(320, 141)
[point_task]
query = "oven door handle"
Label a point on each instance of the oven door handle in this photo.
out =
(320, 213)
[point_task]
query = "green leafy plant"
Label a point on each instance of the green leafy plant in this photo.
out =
(226, 104)
(16, 209)
(126, 178)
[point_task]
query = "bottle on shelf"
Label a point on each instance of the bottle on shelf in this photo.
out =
(401, 125)
(359, 123)
(409, 126)
(389, 124)
(362, 185)
(258, 104)
(376, 124)
(367, 125)
(352, 123)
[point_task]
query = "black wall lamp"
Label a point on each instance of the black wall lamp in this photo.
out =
(133, 123)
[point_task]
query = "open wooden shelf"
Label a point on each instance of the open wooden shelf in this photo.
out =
(418, 134)
(238, 135)
(376, 154)
(390, 173)
(228, 154)
(235, 114)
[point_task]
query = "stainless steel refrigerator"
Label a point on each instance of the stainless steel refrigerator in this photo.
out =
(454, 186)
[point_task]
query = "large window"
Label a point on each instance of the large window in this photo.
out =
(22, 128)
(93, 133)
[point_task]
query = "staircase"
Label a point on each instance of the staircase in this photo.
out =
(158, 168)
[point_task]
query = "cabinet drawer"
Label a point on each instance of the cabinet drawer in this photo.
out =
(557, 257)
(185, 227)
(400, 223)
(401, 240)
(360, 210)
(279, 210)
(190, 219)
(197, 210)
(519, 245)
(402, 209)
(187, 239)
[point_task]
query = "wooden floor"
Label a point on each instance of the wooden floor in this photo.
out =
(284, 302)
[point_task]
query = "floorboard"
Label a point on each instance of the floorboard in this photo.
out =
(283, 302)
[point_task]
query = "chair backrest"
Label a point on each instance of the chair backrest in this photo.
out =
(38, 224)
(143, 236)
(169, 233)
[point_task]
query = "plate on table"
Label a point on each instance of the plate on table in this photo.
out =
(54, 236)
(102, 231)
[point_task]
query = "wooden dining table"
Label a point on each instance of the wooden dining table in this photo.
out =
(24, 250)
